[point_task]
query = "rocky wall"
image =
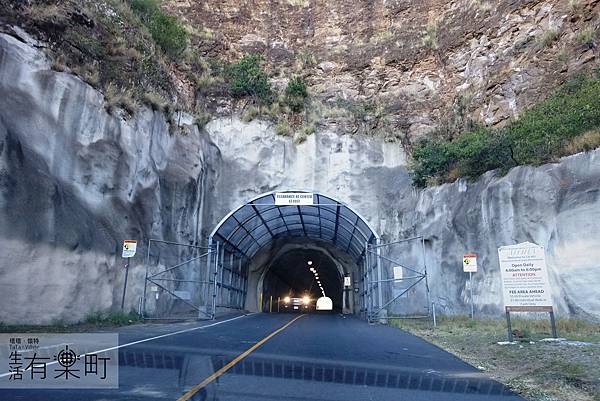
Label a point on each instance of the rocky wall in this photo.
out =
(75, 181)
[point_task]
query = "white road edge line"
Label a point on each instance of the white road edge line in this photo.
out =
(148, 339)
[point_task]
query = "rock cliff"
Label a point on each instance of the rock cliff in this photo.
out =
(414, 61)
(76, 180)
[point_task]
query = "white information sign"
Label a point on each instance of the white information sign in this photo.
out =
(525, 278)
(293, 198)
(470, 263)
(129, 247)
(347, 281)
(398, 274)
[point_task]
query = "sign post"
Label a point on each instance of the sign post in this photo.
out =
(470, 266)
(525, 285)
(129, 248)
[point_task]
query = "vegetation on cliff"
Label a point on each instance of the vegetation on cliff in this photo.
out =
(565, 123)
(140, 52)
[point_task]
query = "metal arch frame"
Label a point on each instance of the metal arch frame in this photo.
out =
(272, 193)
(354, 240)
(269, 229)
(241, 224)
(257, 214)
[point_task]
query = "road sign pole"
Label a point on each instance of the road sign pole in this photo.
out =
(509, 326)
(553, 324)
(125, 284)
(471, 288)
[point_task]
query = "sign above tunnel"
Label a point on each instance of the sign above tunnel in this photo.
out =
(294, 198)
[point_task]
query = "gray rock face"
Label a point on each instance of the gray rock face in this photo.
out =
(556, 206)
(76, 181)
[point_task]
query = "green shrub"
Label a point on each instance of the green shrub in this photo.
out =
(543, 131)
(296, 94)
(145, 7)
(166, 30)
(247, 78)
(168, 33)
(560, 125)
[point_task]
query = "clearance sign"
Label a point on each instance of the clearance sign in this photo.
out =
(525, 278)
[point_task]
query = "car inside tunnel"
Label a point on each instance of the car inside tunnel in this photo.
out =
(301, 273)
(265, 246)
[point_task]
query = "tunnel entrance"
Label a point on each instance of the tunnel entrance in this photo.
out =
(263, 249)
(301, 273)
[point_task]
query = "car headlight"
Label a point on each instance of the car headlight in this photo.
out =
(286, 300)
(306, 300)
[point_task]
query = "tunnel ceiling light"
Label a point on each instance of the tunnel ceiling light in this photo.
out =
(312, 269)
(310, 262)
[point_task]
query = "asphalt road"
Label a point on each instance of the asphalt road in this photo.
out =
(317, 357)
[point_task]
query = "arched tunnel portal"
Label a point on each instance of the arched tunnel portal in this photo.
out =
(266, 252)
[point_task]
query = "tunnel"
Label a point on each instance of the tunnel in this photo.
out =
(290, 275)
(267, 251)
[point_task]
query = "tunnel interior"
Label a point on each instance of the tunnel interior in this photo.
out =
(290, 275)
(275, 242)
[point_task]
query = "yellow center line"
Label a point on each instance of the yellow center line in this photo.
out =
(231, 364)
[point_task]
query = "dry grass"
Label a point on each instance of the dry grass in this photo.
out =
(587, 36)
(549, 37)
(283, 128)
(202, 119)
(54, 13)
(250, 114)
(120, 98)
(539, 371)
(575, 6)
(155, 101)
(482, 5)
(88, 73)
(430, 39)
(59, 64)
(583, 143)
(298, 3)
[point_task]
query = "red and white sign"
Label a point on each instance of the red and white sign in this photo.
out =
(129, 248)
(525, 278)
(470, 263)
